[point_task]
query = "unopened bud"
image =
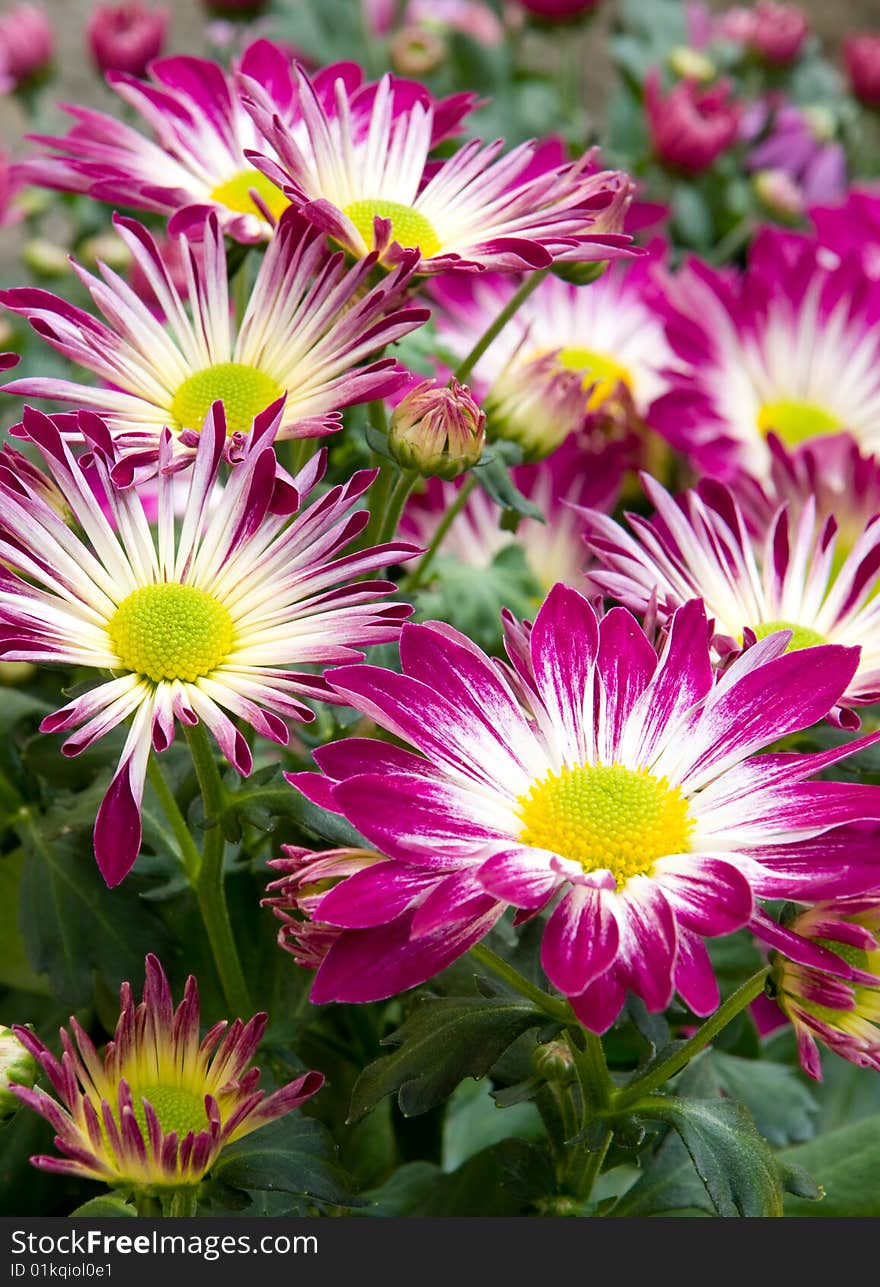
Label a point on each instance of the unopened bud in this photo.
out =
(579, 273)
(107, 248)
(18, 1066)
(553, 1062)
(779, 194)
(45, 258)
(438, 431)
(691, 64)
(415, 51)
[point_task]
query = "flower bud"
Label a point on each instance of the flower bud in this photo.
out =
(27, 46)
(560, 10)
(438, 431)
(861, 54)
(553, 1062)
(778, 32)
(690, 127)
(126, 37)
(45, 258)
(105, 248)
(691, 64)
(17, 1066)
(779, 194)
(416, 51)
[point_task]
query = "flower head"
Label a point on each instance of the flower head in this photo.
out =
(309, 322)
(840, 1013)
(126, 37)
(437, 430)
(786, 577)
(778, 32)
(570, 357)
(214, 615)
(155, 1111)
(367, 180)
(791, 346)
(861, 54)
(784, 139)
(591, 771)
(560, 10)
(691, 125)
(27, 45)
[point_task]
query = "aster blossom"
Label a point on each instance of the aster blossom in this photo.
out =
(825, 1009)
(309, 321)
(593, 771)
(571, 356)
(787, 578)
(368, 182)
(204, 623)
(790, 346)
(202, 132)
(154, 1111)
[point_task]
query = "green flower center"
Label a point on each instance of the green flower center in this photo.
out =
(170, 631)
(243, 390)
(177, 1107)
(801, 636)
(235, 194)
(409, 227)
(795, 422)
(601, 371)
(606, 816)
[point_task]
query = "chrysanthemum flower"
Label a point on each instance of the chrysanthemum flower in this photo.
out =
(570, 354)
(592, 771)
(202, 131)
(792, 346)
(367, 181)
(386, 947)
(789, 578)
(155, 1111)
(824, 1008)
(206, 618)
(309, 321)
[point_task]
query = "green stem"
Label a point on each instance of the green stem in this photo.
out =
(733, 241)
(553, 1006)
(417, 576)
(587, 1165)
(662, 1072)
(209, 885)
(190, 858)
(468, 363)
(592, 1071)
(406, 480)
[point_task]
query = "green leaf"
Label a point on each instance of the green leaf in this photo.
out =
(15, 972)
(846, 1164)
(103, 1208)
(280, 800)
(402, 1193)
(783, 1107)
(494, 477)
(471, 598)
(295, 1155)
(474, 1120)
(16, 705)
(71, 922)
(442, 1042)
(507, 1179)
(733, 1161)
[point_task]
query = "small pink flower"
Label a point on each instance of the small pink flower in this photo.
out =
(778, 32)
(471, 17)
(560, 10)
(126, 37)
(861, 53)
(27, 44)
(690, 127)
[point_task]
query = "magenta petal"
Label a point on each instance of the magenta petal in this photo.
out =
(416, 817)
(694, 977)
(564, 642)
(626, 663)
(707, 894)
(648, 941)
(599, 1004)
(518, 876)
(373, 896)
(581, 939)
(117, 833)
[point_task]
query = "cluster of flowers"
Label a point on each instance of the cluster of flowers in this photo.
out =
(609, 770)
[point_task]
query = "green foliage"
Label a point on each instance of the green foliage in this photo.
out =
(294, 1155)
(846, 1164)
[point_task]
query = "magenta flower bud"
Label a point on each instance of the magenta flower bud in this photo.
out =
(27, 45)
(690, 127)
(416, 51)
(778, 32)
(861, 54)
(379, 15)
(560, 10)
(437, 430)
(126, 37)
(17, 1068)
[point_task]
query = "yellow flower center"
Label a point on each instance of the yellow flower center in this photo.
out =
(602, 373)
(243, 390)
(606, 816)
(795, 422)
(178, 1108)
(235, 194)
(801, 637)
(170, 631)
(409, 227)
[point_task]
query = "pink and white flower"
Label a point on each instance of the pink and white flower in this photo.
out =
(788, 577)
(309, 322)
(211, 619)
(791, 345)
(592, 772)
(570, 357)
(366, 179)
